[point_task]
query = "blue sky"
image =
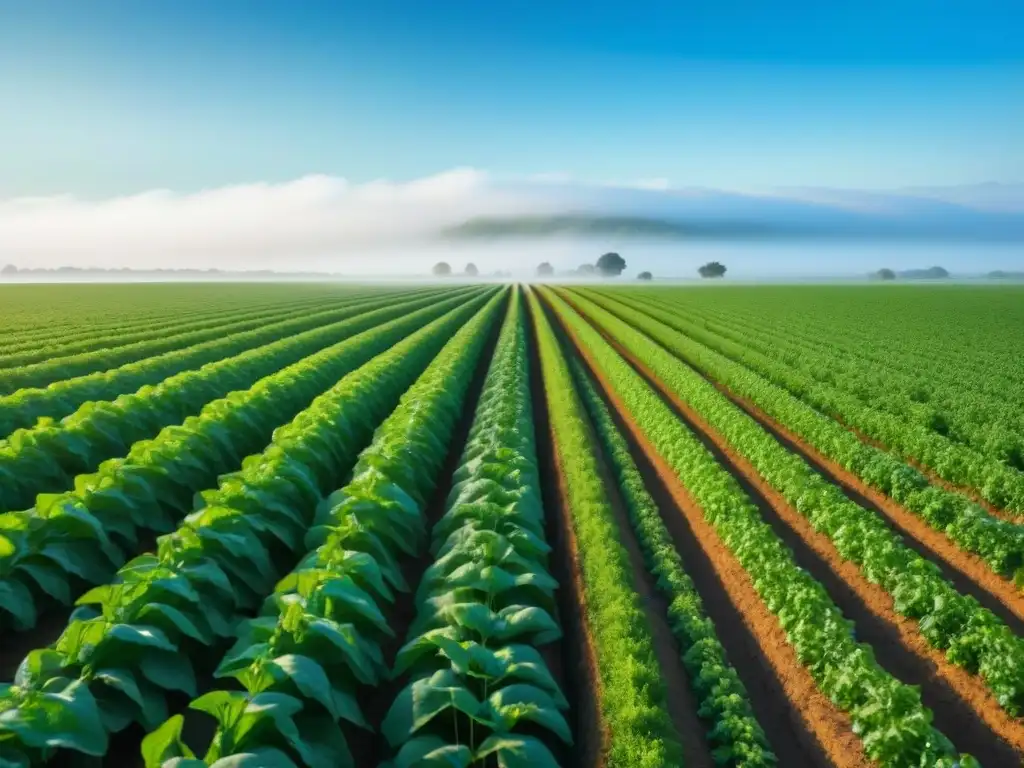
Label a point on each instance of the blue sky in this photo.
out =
(106, 98)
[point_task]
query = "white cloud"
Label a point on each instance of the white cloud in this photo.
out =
(325, 222)
(255, 225)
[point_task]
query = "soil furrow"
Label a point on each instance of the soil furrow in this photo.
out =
(803, 727)
(963, 707)
(575, 666)
(682, 707)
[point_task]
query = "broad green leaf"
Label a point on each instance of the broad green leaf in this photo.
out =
(165, 743)
(517, 752)
(432, 752)
(420, 701)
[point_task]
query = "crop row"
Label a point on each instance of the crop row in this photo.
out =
(887, 715)
(81, 534)
(964, 374)
(24, 407)
(971, 636)
(319, 635)
(999, 543)
(630, 690)
(46, 458)
(1001, 485)
(90, 352)
(989, 422)
(130, 643)
(487, 601)
(734, 734)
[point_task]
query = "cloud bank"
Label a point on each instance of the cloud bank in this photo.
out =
(319, 221)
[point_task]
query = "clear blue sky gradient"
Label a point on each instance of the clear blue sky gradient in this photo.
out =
(109, 97)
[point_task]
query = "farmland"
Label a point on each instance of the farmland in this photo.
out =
(483, 525)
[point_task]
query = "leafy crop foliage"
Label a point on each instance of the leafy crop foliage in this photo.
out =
(23, 408)
(86, 338)
(80, 536)
(57, 367)
(788, 398)
(971, 636)
(958, 411)
(130, 642)
(319, 634)
(887, 715)
(486, 603)
(631, 692)
(46, 458)
(733, 732)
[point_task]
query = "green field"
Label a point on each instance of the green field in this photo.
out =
(592, 525)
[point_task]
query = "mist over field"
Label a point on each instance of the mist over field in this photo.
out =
(381, 228)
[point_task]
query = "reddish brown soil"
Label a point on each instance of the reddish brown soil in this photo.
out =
(967, 572)
(822, 735)
(578, 667)
(681, 705)
(934, 479)
(963, 707)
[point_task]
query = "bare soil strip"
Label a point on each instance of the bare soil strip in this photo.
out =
(967, 572)
(933, 477)
(964, 709)
(682, 707)
(803, 726)
(575, 667)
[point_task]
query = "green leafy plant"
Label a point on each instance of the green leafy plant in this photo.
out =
(318, 635)
(887, 715)
(82, 535)
(131, 641)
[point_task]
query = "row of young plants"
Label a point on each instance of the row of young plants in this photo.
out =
(46, 458)
(735, 736)
(25, 407)
(956, 462)
(168, 331)
(1000, 543)
(295, 670)
(630, 690)
(58, 320)
(969, 635)
(937, 380)
(134, 643)
(478, 690)
(887, 715)
(989, 424)
(81, 536)
(38, 375)
(950, 333)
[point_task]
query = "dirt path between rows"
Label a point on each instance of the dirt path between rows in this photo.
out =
(964, 709)
(576, 666)
(804, 728)
(681, 705)
(930, 474)
(967, 572)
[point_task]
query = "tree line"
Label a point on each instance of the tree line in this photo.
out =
(610, 264)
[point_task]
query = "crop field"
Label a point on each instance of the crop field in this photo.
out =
(266, 526)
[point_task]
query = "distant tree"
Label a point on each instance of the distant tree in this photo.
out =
(885, 274)
(10, 269)
(545, 270)
(644, 276)
(712, 269)
(611, 265)
(442, 269)
(586, 269)
(471, 270)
